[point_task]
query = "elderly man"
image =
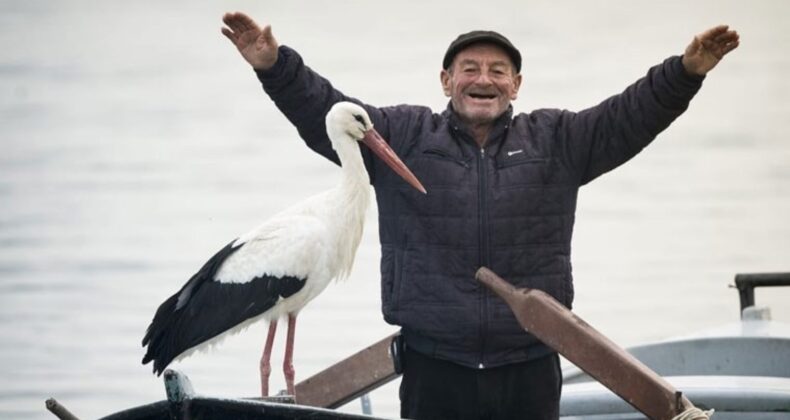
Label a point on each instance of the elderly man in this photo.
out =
(502, 191)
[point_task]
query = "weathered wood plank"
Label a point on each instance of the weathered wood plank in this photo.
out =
(350, 378)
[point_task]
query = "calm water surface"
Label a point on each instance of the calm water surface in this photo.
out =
(136, 142)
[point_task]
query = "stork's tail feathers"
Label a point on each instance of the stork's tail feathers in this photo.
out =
(165, 336)
(158, 339)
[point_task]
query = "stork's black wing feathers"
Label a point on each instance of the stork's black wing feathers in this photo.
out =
(205, 308)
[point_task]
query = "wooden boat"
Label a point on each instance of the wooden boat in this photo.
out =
(319, 395)
(183, 403)
(740, 370)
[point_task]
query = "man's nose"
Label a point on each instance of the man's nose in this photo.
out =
(483, 79)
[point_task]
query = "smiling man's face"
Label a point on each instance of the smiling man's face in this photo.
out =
(481, 82)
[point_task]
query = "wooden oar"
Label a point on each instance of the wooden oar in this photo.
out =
(556, 326)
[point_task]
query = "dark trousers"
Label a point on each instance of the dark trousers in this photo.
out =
(433, 389)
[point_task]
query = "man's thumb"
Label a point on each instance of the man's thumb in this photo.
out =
(267, 34)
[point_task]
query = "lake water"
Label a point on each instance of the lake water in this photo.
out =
(136, 143)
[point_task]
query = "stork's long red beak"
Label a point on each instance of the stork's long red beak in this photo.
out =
(383, 150)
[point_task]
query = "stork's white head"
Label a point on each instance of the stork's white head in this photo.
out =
(348, 121)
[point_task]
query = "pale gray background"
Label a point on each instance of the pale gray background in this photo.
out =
(136, 142)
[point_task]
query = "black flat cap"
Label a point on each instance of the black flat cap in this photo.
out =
(474, 37)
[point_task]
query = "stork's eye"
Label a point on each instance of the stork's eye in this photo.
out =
(359, 118)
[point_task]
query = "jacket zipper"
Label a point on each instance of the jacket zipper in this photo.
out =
(483, 246)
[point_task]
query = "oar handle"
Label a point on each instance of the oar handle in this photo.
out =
(591, 351)
(58, 410)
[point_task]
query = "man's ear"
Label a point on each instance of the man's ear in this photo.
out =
(516, 86)
(444, 76)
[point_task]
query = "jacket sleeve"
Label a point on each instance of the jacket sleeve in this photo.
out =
(305, 97)
(598, 139)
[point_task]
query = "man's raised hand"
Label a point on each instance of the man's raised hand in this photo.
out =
(708, 48)
(256, 45)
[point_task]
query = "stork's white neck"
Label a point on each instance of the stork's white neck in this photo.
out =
(352, 196)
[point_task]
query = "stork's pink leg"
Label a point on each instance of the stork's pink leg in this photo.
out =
(288, 366)
(266, 367)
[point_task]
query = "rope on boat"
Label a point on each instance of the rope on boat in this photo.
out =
(694, 413)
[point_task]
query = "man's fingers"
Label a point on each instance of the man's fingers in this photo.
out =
(246, 22)
(729, 47)
(715, 31)
(230, 20)
(722, 45)
(718, 40)
(711, 36)
(230, 35)
(239, 22)
(726, 37)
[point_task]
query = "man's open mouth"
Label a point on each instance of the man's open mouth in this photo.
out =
(482, 95)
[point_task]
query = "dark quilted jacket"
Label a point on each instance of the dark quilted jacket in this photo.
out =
(509, 206)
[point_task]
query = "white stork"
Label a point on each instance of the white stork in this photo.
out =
(274, 270)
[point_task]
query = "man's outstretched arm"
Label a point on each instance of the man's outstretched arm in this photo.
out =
(302, 95)
(603, 137)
